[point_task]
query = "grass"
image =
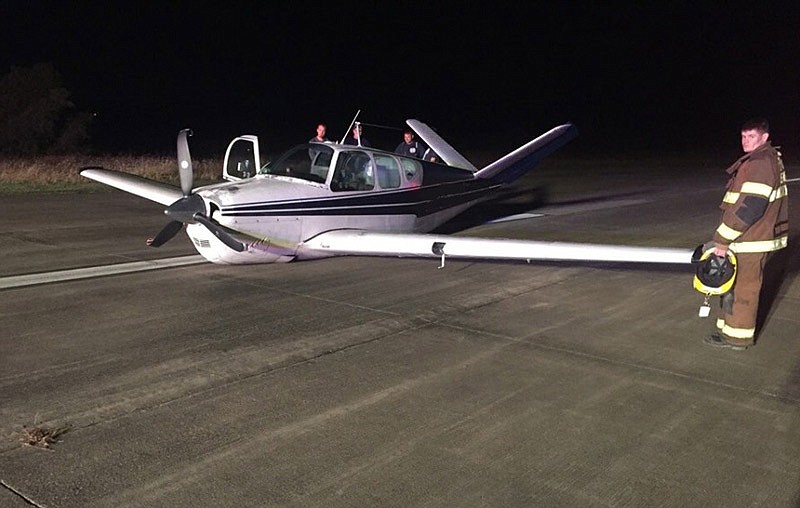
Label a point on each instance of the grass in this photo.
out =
(40, 436)
(19, 175)
(53, 173)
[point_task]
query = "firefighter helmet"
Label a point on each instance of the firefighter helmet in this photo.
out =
(715, 275)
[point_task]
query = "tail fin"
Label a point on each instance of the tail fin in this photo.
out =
(448, 154)
(510, 167)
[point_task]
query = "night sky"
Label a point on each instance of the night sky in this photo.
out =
(635, 80)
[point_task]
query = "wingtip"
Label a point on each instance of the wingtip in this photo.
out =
(85, 168)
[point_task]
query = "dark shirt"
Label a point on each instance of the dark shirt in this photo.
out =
(353, 141)
(413, 149)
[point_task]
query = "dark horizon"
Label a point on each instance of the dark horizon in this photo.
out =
(633, 79)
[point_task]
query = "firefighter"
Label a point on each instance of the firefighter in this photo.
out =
(755, 222)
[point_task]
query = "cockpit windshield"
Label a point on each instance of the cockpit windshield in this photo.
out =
(310, 161)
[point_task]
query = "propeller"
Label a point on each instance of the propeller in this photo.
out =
(185, 162)
(190, 209)
(170, 230)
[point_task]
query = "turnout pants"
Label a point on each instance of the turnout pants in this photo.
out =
(739, 309)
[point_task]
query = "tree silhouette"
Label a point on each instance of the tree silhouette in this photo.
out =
(36, 115)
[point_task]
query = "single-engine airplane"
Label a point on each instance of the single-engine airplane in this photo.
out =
(328, 199)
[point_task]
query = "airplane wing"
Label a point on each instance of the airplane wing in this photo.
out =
(142, 187)
(512, 166)
(366, 243)
(448, 154)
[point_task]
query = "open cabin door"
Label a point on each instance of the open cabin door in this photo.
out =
(242, 159)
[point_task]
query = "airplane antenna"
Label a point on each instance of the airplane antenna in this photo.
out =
(379, 126)
(350, 127)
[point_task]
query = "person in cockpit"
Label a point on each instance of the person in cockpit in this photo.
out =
(354, 171)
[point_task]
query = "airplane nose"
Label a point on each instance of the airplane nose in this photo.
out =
(190, 210)
(185, 209)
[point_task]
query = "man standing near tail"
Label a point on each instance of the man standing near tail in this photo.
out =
(409, 147)
(755, 222)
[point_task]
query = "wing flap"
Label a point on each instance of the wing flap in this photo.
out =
(142, 187)
(365, 243)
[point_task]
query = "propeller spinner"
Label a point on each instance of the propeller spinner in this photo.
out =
(190, 209)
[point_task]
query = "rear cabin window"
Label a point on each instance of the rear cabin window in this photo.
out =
(412, 171)
(354, 172)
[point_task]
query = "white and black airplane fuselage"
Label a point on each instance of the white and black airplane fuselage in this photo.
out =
(287, 204)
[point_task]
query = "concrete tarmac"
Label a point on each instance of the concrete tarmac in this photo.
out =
(388, 382)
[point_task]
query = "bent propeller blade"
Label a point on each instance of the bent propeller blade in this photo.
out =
(166, 234)
(220, 233)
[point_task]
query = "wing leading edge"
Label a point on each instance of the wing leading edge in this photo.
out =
(365, 243)
(528, 156)
(137, 185)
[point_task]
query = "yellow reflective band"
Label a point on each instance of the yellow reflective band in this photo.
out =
(730, 197)
(739, 333)
(780, 192)
(720, 323)
(761, 246)
(728, 233)
(759, 189)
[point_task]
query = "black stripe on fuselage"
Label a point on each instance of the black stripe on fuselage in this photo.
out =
(420, 201)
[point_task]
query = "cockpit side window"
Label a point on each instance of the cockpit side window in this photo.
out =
(354, 172)
(310, 162)
(321, 162)
(388, 171)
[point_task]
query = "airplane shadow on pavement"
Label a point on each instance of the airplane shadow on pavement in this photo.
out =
(516, 201)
